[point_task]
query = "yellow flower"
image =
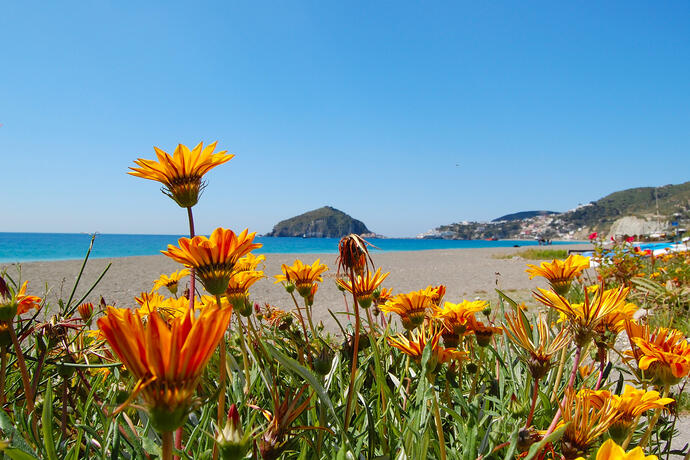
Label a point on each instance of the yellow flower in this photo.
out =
(614, 323)
(364, 286)
(214, 258)
(303, 276)
(560, 273)
(167, 360)
(167, 308)
(584, 318)
(182, 172)
(482, 332)
(587, 423)
(454, 317)
(418, 340)
(237, 292)
(539, 349)
(170, 281)
(612, 451)
(631, 404)
(16, 303)
(412, 307)
(436, 293)
(249, 263)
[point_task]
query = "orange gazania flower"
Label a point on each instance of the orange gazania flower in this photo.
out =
(587, 423)
(629, 405)
(182, 172)
(540, 349)
(170, 281)
(365, 286)
(560, 273)
(414, 346)
(665, 355)
(481, 331)
(167, 360)
(436, 293)
(612, 451)
(584, 318)
(26, 302)
(303, 276)
(214, 258)
(412, 307)
(454, 317)
(237, 292)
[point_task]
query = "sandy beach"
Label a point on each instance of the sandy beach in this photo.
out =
(467, 274)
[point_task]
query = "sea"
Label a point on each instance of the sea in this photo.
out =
(26, 247)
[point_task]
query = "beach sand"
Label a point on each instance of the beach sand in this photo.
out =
(467, 274)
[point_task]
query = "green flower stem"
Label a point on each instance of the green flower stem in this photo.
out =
(222, 374)
(631, 433)
(301, 319)
(657, 414)
(307, 308)
(439, 425)
(22, 368)
(559, 375)
(3, 373)
(245, 358)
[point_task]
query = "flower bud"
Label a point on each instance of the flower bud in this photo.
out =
(232, 441)
(85, 312)
(290, 287)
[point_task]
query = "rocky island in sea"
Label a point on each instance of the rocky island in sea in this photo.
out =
(325, 222)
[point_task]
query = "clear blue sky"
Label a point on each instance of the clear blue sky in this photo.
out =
(406, 115)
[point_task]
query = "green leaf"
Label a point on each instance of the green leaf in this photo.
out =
(17, 454)
(47, 422)
(307, 375)
(18, 442)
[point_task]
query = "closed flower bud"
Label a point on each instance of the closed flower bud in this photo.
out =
(232, 441)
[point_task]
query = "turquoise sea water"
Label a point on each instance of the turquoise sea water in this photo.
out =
(23, 247)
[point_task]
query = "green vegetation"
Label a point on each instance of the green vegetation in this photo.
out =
(523, 215)
(535, 254)
(326, 222)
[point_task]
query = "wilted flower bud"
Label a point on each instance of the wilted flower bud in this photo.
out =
(8, 302)
(232, 441)
(86, 312)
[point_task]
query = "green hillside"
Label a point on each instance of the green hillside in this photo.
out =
(641, 201)
(326, 222)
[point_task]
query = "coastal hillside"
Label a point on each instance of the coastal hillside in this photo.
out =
(635, 211)
(523, 215)
(326, 222)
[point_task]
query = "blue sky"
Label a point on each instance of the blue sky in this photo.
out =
(406, 115)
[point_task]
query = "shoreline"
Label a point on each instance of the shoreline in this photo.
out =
(467, 274)
(558, 244)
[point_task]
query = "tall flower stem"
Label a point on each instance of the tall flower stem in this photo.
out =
(657, 414)
(22, 369)
(245, 358)
(631, 432)
(192, 290)
(559, 374)
(3, 372)
(221, 378)
(355, 352)
(535, 396)
(167, 448)
(571, 382)
(439, 425)
(192, 272)
(307, 308)
(301, 319)
(602, 367)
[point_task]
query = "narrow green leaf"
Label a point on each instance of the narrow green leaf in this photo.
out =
(553, 437)
(47, 422)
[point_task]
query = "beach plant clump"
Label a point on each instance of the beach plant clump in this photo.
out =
(203, 371)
